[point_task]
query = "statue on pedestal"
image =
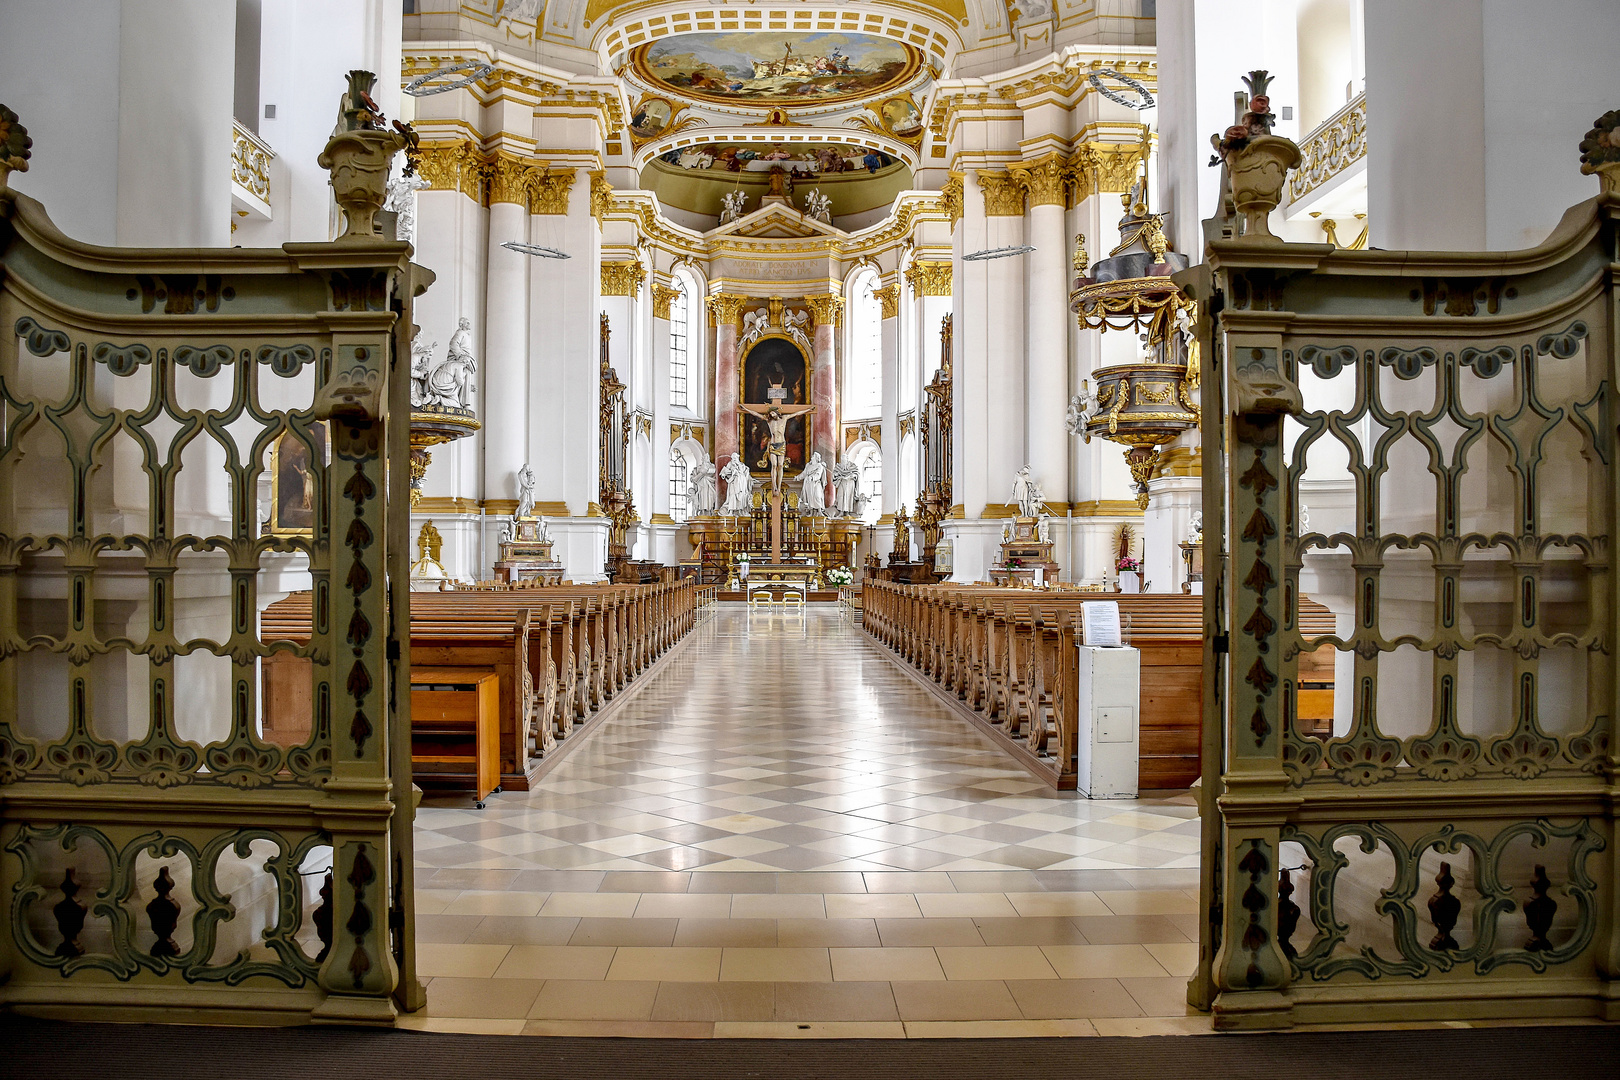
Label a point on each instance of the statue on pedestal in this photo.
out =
(739, 487)
(1027, 494)
(703, 494)
(846, 479)
(525, 506)
(813, 486)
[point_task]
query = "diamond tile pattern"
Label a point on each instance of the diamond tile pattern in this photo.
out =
(781, 832)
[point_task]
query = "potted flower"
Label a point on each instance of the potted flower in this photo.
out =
(840, 576)
(1130, 574)
(742, 566)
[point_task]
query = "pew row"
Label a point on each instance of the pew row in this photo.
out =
(559, 653)
(1008, 657)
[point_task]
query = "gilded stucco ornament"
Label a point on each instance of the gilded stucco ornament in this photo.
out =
(1600, 151)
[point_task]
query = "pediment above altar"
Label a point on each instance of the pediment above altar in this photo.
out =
(775, 221)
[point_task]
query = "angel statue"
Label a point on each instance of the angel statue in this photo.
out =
(818, 206)
(449, 383)
(755, 323)
(703, 494)
(1082, 407)
(794, 322)
(402, 201)
(525, 506)
(733, 204)
(421, 362)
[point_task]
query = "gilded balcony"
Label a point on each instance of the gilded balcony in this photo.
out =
(1331, 151)
(250, 173)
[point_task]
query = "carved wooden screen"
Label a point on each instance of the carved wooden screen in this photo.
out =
(1426, 443)
(184, 437)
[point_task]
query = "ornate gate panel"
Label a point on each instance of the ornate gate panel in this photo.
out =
(1449, 851)
(185, 434)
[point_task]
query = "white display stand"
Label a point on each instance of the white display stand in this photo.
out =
(1109, 705)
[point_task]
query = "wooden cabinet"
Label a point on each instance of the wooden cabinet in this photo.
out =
(456, 729)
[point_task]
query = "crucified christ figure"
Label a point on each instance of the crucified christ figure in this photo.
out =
(776, 418)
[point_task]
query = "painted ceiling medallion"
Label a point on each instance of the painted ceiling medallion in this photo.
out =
(776, 69)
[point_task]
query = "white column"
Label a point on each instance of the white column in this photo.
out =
(506, 358)
(1048, 371)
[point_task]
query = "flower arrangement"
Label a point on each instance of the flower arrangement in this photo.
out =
(743, 557)
(1128, 565)
(840, 576)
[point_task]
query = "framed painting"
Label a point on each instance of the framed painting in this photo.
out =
(295, 484)
(774, 372)
(650, 118)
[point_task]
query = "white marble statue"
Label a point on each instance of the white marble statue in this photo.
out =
(754, 324)
(543, 533)
(846, 479)
(813, 486)
(508, 531)
(402, 201)
(448, 384)
(739, 487)
(732, 204)
(1043, 531)
(421, 366)
(1027, 494)
(794, 323)
(1195, 528)
(1082, 407)
(818, 206)
(525, 506)
(703, 493)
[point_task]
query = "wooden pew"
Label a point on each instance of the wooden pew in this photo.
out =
(559, 652)
(1007, 654)
(456, 728)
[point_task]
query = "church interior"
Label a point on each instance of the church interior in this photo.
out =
(811, 520)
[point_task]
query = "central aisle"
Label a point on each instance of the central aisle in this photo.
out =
(781, 833)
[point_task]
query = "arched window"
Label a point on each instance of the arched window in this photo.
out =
(868, 457)
(680, 344)
(863, 378)
(677, 485)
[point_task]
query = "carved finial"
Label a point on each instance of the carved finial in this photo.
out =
(1443, 910)
(1600, 151)
(1539, 911)
(14, 145)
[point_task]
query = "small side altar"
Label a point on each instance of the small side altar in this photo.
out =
(1026, 556)
(525, 553)
(799, 577)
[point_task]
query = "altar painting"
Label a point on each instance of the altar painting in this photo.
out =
(776, 68)
(774, 362)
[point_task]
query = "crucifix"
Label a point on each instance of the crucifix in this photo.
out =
(776, 418)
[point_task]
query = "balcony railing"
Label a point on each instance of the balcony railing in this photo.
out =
(1337, 143)
(250, 163)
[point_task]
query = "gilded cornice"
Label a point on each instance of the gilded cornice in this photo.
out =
(1045, 180)
(1002, 195)
(950, 198)
(623, 278)
(1105, 167)
(663, 297)
(828, 309)
(889, 297)
(601, 196)
(550, 193)
(725, 308)
(929, 277)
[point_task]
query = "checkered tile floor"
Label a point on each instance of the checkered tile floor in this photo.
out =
(782, 835)
(795, 745)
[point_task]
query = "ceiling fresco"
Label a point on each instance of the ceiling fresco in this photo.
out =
(776, 69)
(856, 179)
(802, 159)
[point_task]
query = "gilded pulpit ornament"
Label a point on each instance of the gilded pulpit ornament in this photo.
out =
(441, 399)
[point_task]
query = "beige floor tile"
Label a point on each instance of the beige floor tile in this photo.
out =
(446, 929)
(896, 933)
(955, 1001)
(713, 1001)
(496, 903)
(1159, 997)
(988, 962)
(775, 965)
(885, 965)
(824, 933)
(565, 999)
(1180, 958)
(988, 905)
(1103, 961)
(1197, 1024)
(684, 906)
(1072, 999)
(1059, 903)
(620, 1029)
(652, 932)
(1148, 902)
(733, 933)
(521, 930)
(809, 1002)
(778, 906)
(1131, 929)
(999, 1029)
(555, 962)
(434, 901)
(821, 881)
(810, 1030)
(666, 965)
(492, 999)
(872, 906)
(459, 1025)
(591, 905)
(1035, 930)
(906, 882)
(459, 961)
